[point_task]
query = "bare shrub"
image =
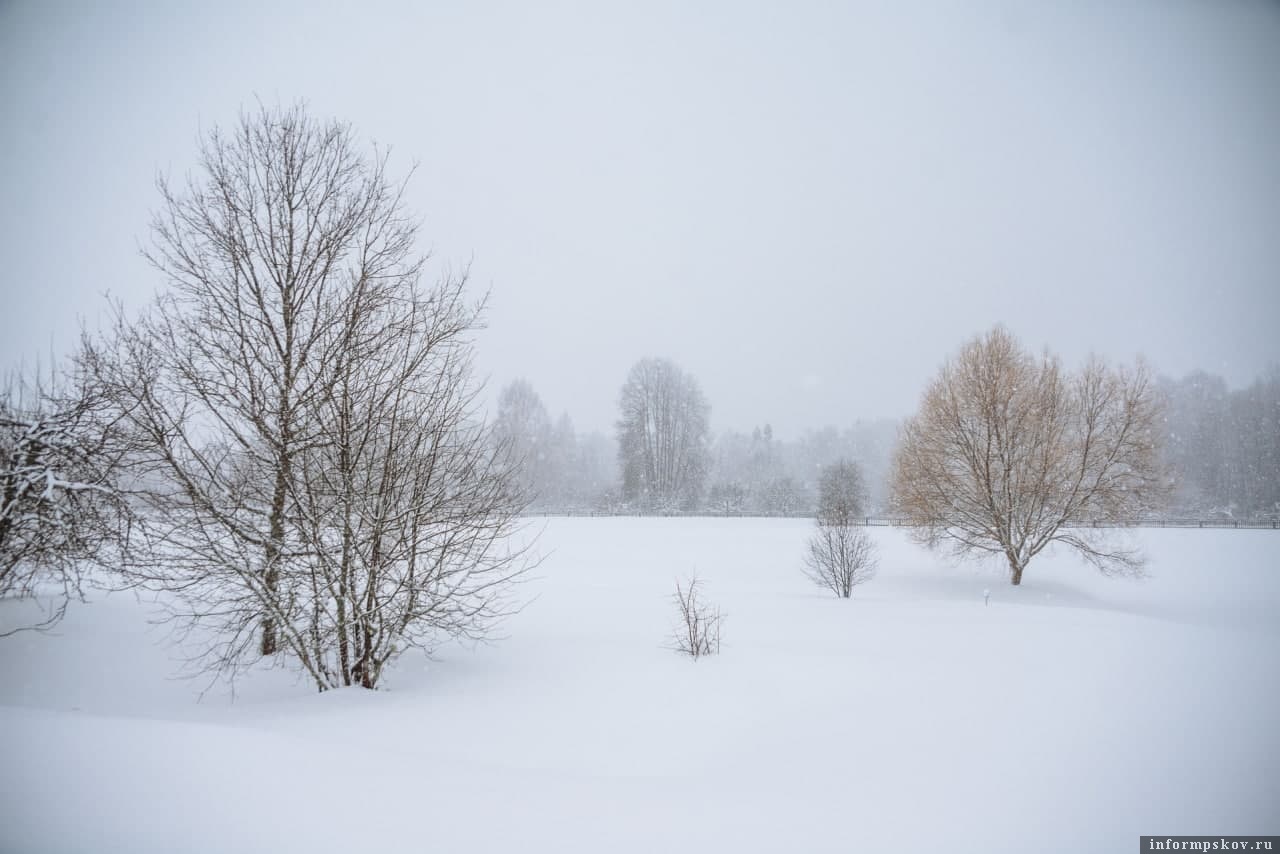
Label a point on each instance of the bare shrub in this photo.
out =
(697, 632)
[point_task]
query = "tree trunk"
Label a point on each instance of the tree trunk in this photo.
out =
(269, 645)
(271, 577)
(1015, 573)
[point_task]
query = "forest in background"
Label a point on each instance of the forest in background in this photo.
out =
(1221, 446)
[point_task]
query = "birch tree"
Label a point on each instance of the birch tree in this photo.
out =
(319, 484)
(406, 507)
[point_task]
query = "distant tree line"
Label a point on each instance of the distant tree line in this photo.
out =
(558, 467)
(1220, 449)
(761, 474)
(664, 458)
(1223, 446)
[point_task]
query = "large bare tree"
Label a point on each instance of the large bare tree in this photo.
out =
(1009, 451)
(319, 485)
(663, 436)
(283, 224)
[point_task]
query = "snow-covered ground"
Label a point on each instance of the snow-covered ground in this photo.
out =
(1072, 714)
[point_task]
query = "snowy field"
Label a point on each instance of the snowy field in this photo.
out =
(1072, 714)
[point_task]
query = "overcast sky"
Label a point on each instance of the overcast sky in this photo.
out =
(808, 206)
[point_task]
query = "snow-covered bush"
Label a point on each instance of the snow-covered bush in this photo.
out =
(60, 506)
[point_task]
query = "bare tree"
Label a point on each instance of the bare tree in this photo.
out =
(842, 494)
(840, 555)
(284, 226)
(697, 632)
(1008, 450)
(663, 436)
(404, 503)
(524, 427)
(839, 558)
(319, 485)
(62, 508)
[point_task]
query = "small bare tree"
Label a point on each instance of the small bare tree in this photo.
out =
(62, 509)
(840, 555)
(839, 558)
(1008, 450)
(697, 633)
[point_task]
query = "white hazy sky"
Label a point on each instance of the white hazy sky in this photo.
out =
(806, 205)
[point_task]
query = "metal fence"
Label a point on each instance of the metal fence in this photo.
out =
(883, 521)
